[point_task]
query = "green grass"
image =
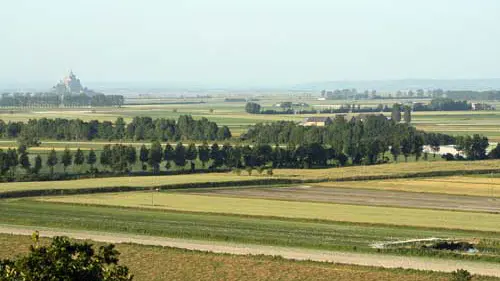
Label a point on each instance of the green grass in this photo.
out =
(291, 209)
(205, 226)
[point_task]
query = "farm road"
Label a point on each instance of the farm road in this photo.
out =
(482, 268)
(365, 197)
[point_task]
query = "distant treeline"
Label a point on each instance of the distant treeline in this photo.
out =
(342, 94)
(54, 100)
(437, 104)
(474, 95)
(443, 104)
(141, 128)
(361, 139)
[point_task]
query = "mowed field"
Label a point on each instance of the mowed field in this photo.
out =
(290, 209)
(487, 185)
(402, 169)
(149, 263)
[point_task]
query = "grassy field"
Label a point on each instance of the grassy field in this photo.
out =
(327, 235)
(158, 263)
(488, 186)
(139, 181)
(289, 209)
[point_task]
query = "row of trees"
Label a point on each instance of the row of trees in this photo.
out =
(120, 158)
(53, 100)
(141, 128)
(443, 104)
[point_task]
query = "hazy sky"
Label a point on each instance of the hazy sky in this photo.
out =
(258, 42)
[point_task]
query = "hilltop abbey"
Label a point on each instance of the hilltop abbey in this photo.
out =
(71, 85)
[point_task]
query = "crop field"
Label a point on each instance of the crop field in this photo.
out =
(157, 263)
(359, 196)
(410, 169)
(290, 209)
(487, 185)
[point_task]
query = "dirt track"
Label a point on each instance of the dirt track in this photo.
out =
(387, 261)
(366, 197)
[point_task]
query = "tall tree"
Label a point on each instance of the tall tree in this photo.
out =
(252, 107)
(223, 133)
(191, 154)
(79, 157)
(38, 164)
(155, 156)
(215, 156)
(407, 114)
(13, 159)
(204, 154)
(418, 145)
(66, 159)
(131, 156)
(52, 160)
(396, 113)
(169, 156)
(395, 149)
(144, 156)
(24, 161)
(119, 128)
(91, 159)
(406, 147)
(106, 156)
(180, 155)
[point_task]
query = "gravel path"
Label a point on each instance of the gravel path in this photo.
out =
(386, 261)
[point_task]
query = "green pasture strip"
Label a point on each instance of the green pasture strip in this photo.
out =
(216, 227)
(292, 209)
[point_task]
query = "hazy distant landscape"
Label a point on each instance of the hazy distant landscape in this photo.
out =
(249, 140)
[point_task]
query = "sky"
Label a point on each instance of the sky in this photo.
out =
(243, 42)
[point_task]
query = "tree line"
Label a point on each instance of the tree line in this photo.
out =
(140, 128)
(362, 139)
(122, 159)
(49, 99)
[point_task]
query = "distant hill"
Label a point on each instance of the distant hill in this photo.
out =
(406, 84)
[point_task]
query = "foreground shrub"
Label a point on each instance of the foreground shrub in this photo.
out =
(64, 260)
